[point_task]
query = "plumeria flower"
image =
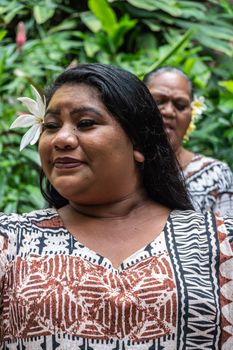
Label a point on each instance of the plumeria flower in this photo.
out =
(198, 105)
(33, 120)
(189, 131)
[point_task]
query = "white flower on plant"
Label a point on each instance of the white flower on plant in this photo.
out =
(198, 105)
(34, 120)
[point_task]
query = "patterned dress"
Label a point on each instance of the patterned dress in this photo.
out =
(174, 293)
(210, 184)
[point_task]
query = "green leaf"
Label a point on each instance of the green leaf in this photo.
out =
(42, 14)
(12, 10)
(3, 182)
(2, 34)
(168, 6)
(149, 5)
(183, 41)
(192, 9)
(152, 24)
(11, 208)
(90, 21)
(226, 104)
(149, 43)
(227, 84)
(91, 47)
(65, 25)
(226, 6)
(215, 44)
(104, 13)
(210, 30)
(121, 28)
(35, 196)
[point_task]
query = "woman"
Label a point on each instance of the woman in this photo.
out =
(209, 181)
(120, 260)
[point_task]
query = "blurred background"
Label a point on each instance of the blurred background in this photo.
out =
(39, 38)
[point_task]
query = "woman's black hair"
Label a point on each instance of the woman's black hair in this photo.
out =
(147, 78)
(131, 104)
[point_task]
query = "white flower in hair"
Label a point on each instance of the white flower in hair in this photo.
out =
(198, 105)
(34, 120)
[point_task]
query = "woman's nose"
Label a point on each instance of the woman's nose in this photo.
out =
(168, 110)
(66, 138)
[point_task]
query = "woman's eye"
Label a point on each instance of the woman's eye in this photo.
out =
(159, 102)
(86, 123)
(49, 126)
(181, 107)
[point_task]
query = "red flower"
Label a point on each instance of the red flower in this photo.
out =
(21, 35)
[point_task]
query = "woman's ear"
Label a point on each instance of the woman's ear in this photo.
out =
(138, 156)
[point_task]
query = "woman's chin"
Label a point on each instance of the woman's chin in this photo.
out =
(69, 187)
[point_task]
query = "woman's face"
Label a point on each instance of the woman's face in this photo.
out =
(172, 95)
(85, 153)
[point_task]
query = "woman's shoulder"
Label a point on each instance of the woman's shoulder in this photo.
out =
(206, 169)
(201, 161)
(48, 212)
(11, 223)
(17, 230)
(187, 224)
(197, 220)
(189, 228)
(187, 216)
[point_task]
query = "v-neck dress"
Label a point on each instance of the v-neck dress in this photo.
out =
(174, 293)
(210, 184)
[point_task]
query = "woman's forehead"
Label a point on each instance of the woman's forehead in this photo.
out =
(75, 93)
(169, 81)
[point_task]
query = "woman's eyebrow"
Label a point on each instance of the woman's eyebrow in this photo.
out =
(158, 92)
(52, 111)
(84, 109)
(77, 110)
(182, 98)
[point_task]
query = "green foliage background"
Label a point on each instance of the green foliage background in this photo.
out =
(196, 36)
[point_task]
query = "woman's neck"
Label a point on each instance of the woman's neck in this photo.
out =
(119, 209)
(184, 157)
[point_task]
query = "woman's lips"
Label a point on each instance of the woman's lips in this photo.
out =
(66, 163)
(168, 129)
